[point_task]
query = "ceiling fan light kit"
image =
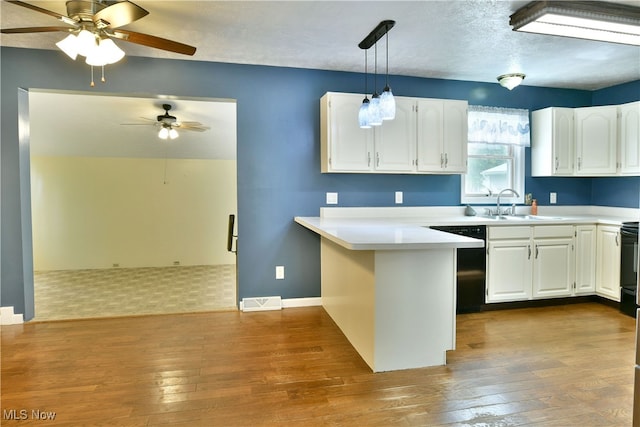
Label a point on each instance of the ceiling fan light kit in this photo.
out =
(381, 107)
(93, 25)
(511, 80)
(592, 20)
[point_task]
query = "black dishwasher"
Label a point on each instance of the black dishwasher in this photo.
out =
(471, 270)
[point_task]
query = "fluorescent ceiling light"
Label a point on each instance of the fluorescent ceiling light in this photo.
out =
(592, 20)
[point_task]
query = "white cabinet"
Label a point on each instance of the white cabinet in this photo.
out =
(586, 241)
(553, 261)
(552, 142)
(442, 135)
(344, 146)
(629, 138)
(608, 265)
(596, 140)
(395, 141)
(530, 262)
(439, 137)
(508, 264)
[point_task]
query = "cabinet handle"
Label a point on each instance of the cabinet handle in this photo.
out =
(556, 169)
(536, 251)
(617, 244)
(369, 159)
(529, 249)
(446, 160)
(441, 160)
(579, 163)
(377, 159)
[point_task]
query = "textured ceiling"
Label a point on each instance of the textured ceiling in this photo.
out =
(459, 40)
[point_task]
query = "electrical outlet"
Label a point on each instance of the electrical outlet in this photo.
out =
(398, 197)
(279, 272)
(332, 198)
(176, 262)
(553, 198)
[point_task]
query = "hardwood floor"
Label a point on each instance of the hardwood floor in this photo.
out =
(555, 366)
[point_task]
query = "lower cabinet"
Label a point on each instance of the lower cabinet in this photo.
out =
(553, 261)
(528, 262)
(608, 266)
(586, 244)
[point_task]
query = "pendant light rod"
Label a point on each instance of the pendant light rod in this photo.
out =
(377, 33)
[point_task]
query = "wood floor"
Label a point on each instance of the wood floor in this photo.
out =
(556, 366)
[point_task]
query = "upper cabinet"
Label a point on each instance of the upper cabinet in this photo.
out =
(442, 135)
(596, 140)
(427, 136)
(629, 135)
(589, 141)
(552, 145)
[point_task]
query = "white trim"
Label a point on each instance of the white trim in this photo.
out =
(301, 302)
(8, 317)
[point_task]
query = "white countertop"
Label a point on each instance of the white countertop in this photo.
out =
(384, 234)
(407, 228)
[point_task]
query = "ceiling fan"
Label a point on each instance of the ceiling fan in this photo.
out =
(169, 124)
(92, 26)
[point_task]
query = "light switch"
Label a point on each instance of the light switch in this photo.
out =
(332, 198)
(553, 198)
(398, 197)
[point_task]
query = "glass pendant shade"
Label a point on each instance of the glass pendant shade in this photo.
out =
(164, 133)
(173, 134)
(363, 114)
(69, 45)
(374, 111)
(387, 104)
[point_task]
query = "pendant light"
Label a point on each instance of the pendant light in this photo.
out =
(370, 113)
(375, 118)
(363, 113)
(387, 101)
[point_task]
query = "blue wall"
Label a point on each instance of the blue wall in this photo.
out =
(278, 154)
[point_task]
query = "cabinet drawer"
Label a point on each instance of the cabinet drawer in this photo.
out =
(518, 232)
(541, 231)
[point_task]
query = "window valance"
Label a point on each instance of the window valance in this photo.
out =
(494, 125)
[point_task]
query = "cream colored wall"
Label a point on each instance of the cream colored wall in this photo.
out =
(96, 212)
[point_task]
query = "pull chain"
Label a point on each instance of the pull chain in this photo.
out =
(92, 82)
(103, 80)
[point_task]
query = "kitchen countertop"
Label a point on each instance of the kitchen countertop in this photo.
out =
(407, 228)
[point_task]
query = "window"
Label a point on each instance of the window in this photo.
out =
(497, 137)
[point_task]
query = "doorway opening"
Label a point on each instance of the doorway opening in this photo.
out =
(123, 222)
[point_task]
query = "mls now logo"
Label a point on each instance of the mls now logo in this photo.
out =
(23, 414)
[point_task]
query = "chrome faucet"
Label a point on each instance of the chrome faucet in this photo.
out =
(498, 200)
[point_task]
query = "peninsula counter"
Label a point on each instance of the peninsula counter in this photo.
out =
(391, 288)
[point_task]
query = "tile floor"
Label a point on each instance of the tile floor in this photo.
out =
(76, 294)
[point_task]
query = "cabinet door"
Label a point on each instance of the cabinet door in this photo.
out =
(608, 267)
(455, 135)
(395, 149)
(630, 138)
(585, 259)
(553, 267)
(596, 140)
(563, 141)
(348, 148)
(508, 270)
(430, 135)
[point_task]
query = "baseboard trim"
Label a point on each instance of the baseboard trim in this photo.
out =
(8, 317)
(301, 302)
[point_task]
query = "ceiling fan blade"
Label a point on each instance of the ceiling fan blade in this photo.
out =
(34, 30)
(119, 14)
(153, 41)
(39, 9)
